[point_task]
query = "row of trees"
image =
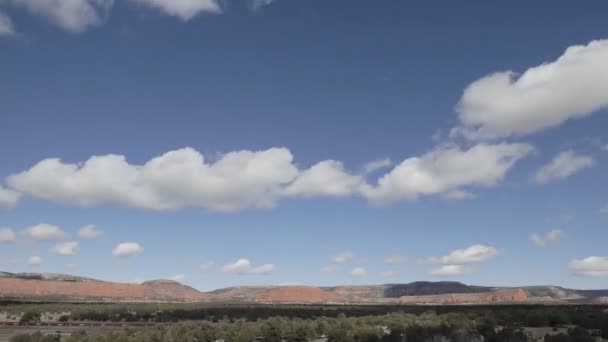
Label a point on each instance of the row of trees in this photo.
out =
(398, 327)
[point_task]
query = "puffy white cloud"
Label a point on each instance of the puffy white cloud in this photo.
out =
(7, 235)
(445, 170)
(593, 266)
(473, 254)
(358, 272)
(178, 278)
(327, 178)
(342, 257)
(564, 165)
(8, 198)
(243, 266)
(396, 259)
(45, 232)
(547, 239)
(66, 248)
(90, 232)
(183, 9)
(127, 249)
(451, 270)
(505, 103)
(71, 15)
(35, 261)
(176, 179)
(6, 25)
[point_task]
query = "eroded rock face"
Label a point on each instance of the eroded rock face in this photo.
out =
(36, 289)
(298, 294)
(507, 296)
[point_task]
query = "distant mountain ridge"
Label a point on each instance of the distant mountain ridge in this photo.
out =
(62, 287)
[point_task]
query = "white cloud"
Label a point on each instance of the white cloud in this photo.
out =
(66, 248)
(176, 179)
(447, 169)
(204, 267)
(183, 9)
(243, 266)
(547, 239)
(505, 103)
(6, 25)
(592, 266)
(342, 257)
(451, 270)
(127, 249)
(564, 165)
(473, 254)
(358, 272)
(376, 165)
(257, 4)
(90, 232)
(7, 235)
(8, 198)
(178, 278)
(327, 178)
(71, 15)
(458, 195)
(396, 259)
(35, 261)
(45, 232)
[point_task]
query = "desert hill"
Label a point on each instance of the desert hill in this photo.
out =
(61, 287)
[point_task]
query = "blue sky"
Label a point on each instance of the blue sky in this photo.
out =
(310, 138)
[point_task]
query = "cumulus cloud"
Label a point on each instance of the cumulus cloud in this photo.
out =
(507, 104)
(45, 232)
(473, 254)
(90, 232)
(396, 259)
(35, 261)
(358, 272)
(327, 178)
(451, 270)
(177, 179)
(244, 266)
(447, 169)
(547, 239)
(66, 248)
(7, 235)
(564, 165)
(6, 25)
(8, 198)
(593, 266)
(127, 249)
(183, 9)
(342, 257)
(71, 15)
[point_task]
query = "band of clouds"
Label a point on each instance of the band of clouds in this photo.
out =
(564, 165)
(77, 16)
(257, 179)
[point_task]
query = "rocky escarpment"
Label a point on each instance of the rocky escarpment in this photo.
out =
(298, 294)
(40, 288)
